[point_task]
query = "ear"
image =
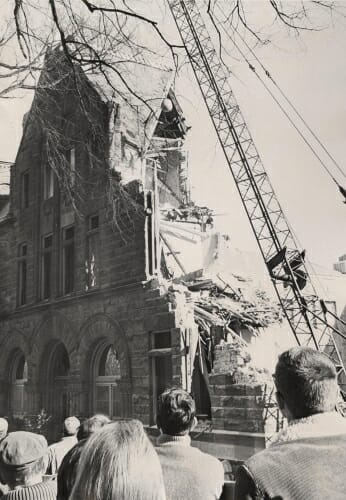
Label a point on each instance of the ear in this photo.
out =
(194, 423)
(280, 401)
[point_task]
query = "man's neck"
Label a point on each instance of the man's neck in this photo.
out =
(30, 482)
(184, 440)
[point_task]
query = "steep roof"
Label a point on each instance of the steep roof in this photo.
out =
(136, 85)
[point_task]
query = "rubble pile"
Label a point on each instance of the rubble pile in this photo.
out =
(188, 212)
(218, 303)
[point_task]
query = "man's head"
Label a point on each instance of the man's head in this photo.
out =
(306, 383)
(3, 428)
(92, 425)
(176, 414)
(23, 458)
(71, 426)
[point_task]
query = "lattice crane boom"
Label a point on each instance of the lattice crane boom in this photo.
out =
(284, 260)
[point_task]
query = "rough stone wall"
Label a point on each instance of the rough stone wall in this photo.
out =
(239, 392)
(122, 255)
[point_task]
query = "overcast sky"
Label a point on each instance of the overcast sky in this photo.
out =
(312, 71)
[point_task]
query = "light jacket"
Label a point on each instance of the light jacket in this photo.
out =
(188, 473)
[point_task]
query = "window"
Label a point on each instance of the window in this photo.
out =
(68, 260)
(58, 402)
(46, 267)
(25, 190)
(161, 364)
(72, 163)
(106, 392)
(22, 274)
(48, 182)
(92, 264)
(19, 376)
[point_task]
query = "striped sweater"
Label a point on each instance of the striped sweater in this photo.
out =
(40, 491)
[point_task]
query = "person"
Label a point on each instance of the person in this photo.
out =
(58, 450)
(187, 471)
(307, 460)
(68, 468)
(3, 434)
(23, 461)
(119, 463)
(3, 428)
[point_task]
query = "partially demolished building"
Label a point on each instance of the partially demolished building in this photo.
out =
(114, 284)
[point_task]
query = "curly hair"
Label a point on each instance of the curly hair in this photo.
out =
(176, 412)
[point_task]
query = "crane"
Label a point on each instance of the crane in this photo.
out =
(285, 261)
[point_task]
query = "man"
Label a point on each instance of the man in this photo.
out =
(23, 461)
(68, 468)
(3, 434)
(308, 458)
(58, 450)
(187, 472)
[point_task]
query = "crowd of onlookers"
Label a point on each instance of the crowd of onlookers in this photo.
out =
(100, 459)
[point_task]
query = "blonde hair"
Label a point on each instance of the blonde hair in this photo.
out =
(119, 463)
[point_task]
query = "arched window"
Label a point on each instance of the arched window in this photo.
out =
(19, 376)
(55, 380)
(60, 363)
(106, 374)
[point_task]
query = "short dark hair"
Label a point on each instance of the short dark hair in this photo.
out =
(176, 412)
(307, 380)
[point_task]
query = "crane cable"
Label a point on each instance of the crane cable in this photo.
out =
(253, 69)
(314, 135)
(342, 190)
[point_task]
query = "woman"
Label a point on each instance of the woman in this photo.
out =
(119, 463)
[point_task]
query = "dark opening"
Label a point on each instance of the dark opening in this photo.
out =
(25, 190)
(47, 267)
(162, 340)
(68, 261)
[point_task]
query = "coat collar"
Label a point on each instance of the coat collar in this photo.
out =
(177, 440)
(319, 425)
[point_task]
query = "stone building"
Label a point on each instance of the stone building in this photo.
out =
(82, 327)
(105, 298)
